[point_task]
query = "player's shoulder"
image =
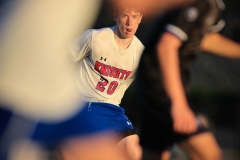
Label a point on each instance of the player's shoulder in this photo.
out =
(137, 46)
(97, 31)
(203, 7)
(185, 15)
(105, 30)
(138, 42)
(102, 33)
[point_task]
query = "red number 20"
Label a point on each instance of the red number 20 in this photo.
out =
(103, 83)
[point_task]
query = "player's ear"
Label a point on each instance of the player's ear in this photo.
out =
(115, 16)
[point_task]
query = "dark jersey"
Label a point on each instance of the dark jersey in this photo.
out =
(189, 24)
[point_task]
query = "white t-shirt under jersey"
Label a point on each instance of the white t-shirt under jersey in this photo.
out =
(105, 71)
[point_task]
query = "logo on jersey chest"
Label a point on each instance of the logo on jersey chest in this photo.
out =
(111, 71)
(105, 59)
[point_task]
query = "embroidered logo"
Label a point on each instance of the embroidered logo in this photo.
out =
(191, 14)
(103, 58)
(129, 123)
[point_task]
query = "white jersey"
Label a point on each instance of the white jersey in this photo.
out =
(105, 71)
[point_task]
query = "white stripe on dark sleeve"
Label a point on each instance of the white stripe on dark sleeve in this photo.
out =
(177, 31)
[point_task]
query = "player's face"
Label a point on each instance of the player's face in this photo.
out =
(127, 23)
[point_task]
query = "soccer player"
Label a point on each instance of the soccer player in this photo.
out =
(163, 79)
(108, 59)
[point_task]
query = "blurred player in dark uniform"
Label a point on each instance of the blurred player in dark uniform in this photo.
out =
(163, 80)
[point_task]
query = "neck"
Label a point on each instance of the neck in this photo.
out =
(121, 41)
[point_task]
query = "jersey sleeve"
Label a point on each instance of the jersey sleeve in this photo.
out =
(181, 22)
(199, 15)
(81, 46)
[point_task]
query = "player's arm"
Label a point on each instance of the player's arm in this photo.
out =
(217, 44)
(167, 49)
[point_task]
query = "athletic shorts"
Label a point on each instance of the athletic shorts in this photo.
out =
(93, 118)
(157, 134)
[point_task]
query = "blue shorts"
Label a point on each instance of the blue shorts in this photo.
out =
(93, 118)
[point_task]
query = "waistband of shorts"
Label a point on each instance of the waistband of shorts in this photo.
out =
(105, 105)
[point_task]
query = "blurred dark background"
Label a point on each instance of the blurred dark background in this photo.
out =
(215, 89)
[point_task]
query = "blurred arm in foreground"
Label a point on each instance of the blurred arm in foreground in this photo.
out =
(39, 102)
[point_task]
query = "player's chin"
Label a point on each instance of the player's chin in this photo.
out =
(129, 35)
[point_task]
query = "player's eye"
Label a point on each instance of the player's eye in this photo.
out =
(123, 15)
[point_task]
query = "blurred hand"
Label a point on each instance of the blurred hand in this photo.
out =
(184, 120)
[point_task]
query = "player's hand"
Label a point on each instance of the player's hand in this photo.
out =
(184, 120)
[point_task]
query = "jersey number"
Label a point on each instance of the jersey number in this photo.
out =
(103, 83)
